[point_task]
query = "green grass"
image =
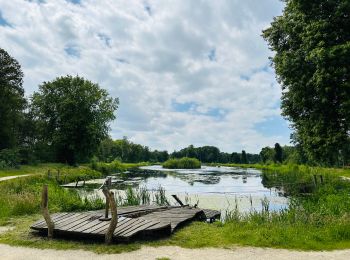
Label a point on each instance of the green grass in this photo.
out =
(31, 169)
(182, 163)
(282, 168)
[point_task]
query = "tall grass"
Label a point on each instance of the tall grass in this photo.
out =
(183, 163)
(142, 196)
(22, 196)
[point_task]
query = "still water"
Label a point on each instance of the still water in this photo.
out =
(220, 188)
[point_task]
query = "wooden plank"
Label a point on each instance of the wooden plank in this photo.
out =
(134, 227)
(55, 216)
(91, 218)
(67, 225)
(88, 225)
(56, 221)
(133, 222)
(76, 223)
(140, 228)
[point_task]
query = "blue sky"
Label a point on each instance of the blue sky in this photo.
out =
(186, 72)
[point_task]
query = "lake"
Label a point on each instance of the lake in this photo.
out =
(220, 188)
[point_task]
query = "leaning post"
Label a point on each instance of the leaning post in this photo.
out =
(45, 211)
(114, 220)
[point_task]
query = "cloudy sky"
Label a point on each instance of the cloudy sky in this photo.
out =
(186, 72)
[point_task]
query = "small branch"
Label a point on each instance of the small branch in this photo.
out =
(114, 221)
(45, 211)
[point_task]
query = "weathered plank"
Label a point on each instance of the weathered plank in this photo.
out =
(132, 221)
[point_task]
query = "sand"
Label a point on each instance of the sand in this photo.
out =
(172, 252)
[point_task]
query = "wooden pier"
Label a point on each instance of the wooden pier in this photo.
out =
(133, 222)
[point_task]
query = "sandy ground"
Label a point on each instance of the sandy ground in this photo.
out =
(174, 253)
(12, 177)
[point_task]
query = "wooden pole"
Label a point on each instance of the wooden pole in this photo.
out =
(114, 221)
(45, 211)
(321, 178)
(178, 200)
(315, 180)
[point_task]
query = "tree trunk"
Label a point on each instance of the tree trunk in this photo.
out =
(114, 221)
(45, 211)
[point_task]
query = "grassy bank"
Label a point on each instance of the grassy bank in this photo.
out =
(19, 197)
(31, 169)
(182, 163)
(283, 168)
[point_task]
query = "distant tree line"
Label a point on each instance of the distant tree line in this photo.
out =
(126, 151)
(212, 154)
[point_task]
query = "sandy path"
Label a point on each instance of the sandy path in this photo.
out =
(174, 253)
(12, 177)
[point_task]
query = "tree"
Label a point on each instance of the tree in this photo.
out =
(311, 42)
(267, 154)
(12, 101)
(244, 157)
(73, 114)
(278, 153)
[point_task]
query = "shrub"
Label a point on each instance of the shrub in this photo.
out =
(9, 158)
(183, 163)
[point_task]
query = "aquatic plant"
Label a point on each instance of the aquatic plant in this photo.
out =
(183, 163)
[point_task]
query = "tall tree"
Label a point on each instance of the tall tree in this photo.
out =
(12, 101)
(278, 153)
(244, 158)
(74, 114)
(311, 42)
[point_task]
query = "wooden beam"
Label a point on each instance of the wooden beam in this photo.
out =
(178, 200)
(114, 221)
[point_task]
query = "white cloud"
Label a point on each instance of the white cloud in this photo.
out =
(151, 54)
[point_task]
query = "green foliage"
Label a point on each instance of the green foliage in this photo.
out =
(73, 116)
(127, 151)
(12, 101)
(312, 52)
(278, 153)
(183, 163)
(211, 154)
(244, 158)
(9, 158)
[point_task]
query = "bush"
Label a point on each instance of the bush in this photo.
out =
(9, 158)
(183, 163)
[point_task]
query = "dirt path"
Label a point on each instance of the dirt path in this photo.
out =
(171, 252)
(12, 177)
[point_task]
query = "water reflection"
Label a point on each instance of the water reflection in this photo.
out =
(218, 188)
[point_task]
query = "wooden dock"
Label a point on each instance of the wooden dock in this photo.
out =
(133, 222)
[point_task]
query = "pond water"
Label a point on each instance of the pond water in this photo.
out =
(220, 188)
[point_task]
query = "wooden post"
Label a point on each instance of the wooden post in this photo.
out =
(45, 212)
(178, 200)
(58, 175)
(114, 221)
(108, 183)
(76, 184)
(315, 180)
(321, 179)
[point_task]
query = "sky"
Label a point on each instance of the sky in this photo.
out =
(185, 71)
